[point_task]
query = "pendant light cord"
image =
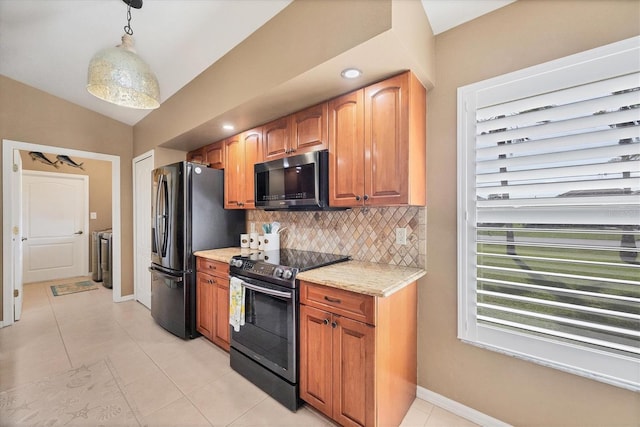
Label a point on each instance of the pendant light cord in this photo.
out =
(127, 28)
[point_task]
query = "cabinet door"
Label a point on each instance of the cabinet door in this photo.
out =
(346, 150)
(214, 155)
(233, 173)
(316, 359)
(252, 141)
(195, 156)
(309, 129)
(353, 372)
(221, 331)
(204, 304)
(275, 139)
(386, 118)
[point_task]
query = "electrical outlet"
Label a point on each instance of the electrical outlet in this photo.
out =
(93, 215)
(401, 236)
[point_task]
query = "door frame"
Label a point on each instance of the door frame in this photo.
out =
(151, 154)
(7, 218)
(84, 179)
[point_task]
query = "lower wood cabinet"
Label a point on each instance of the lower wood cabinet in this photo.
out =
(358, 372)
(212, 301)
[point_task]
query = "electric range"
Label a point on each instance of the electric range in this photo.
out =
(264, 345)
(281, 266)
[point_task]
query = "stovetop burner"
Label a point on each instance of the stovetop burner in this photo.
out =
(281, 266)
(302, 260)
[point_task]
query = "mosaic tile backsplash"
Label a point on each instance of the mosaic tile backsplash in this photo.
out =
(366, 234)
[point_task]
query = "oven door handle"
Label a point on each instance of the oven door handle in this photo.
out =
(267, 291)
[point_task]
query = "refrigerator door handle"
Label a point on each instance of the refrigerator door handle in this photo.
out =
(161, 216)
(173, 280)
(156, 224)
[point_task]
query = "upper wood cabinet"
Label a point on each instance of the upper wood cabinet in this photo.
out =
(233, 173)
(309, 129)
(212, 155)
(377, 145)
(242, 152)
(196, 156)
(275, 139)
(346, 149)
(297, 133)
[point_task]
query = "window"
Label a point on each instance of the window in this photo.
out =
(549, 214)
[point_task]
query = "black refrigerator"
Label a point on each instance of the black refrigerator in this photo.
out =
(187, 215)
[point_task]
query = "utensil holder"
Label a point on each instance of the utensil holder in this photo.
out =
(271, 242)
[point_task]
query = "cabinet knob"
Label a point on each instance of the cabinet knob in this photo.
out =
(357, 198)
(334, 324)
(366, 197)
(325, 321)
(333, 300)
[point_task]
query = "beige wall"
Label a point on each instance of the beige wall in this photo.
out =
(32, 116)
(518, 392)
(99, 173)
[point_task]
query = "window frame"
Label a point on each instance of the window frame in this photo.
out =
(581, 68)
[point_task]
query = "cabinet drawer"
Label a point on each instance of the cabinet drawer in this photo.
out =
(210, 266)
(210, 279)
(344, 303)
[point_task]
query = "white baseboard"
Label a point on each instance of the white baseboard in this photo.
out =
(124, 298)
(459, 409)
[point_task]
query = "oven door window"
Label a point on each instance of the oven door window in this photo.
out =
(268, 335)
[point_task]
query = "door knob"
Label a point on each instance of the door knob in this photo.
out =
(78, 232)
(23, 239)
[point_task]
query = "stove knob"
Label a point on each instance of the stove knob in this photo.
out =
(287, 274)
(236, 263)
(278, 272)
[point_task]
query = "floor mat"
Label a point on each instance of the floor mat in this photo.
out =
(71, 288)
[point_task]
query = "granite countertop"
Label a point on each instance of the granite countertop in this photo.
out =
(380, 280)
(224, 254)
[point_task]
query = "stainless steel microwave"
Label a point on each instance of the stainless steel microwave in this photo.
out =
(296, 183)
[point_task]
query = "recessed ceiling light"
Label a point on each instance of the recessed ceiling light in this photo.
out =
(351, 73)
(228, 127)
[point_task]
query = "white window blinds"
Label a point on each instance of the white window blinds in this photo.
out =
(549, 206)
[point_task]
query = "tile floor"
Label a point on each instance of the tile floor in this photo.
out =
(167, 381)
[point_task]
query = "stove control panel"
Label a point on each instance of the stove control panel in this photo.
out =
(263, 269)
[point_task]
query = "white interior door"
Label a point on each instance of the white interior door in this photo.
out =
(54, 215)
(142, 169)
(17, 234)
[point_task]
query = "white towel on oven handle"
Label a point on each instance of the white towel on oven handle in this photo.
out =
(236, 303)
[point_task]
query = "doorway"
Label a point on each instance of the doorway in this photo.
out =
(11, 230)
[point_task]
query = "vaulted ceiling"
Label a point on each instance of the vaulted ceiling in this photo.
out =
(48, 44)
